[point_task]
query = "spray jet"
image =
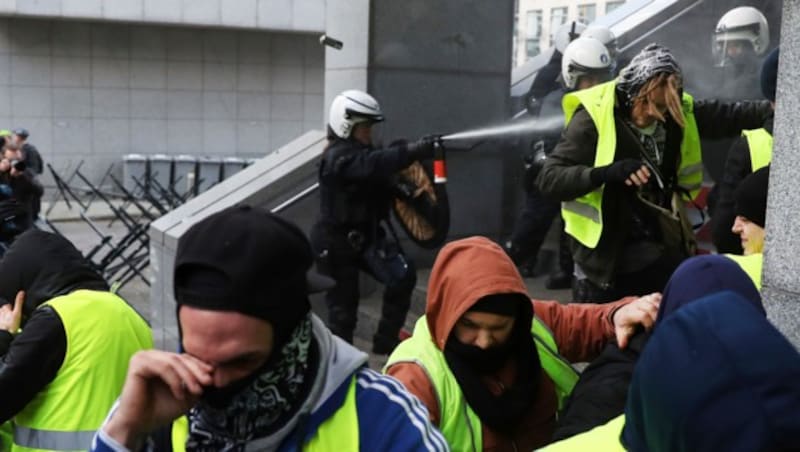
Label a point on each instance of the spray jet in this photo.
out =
(469, 139)
(531, 126)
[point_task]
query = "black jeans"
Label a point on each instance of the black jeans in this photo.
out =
(650, 279)
(531, 229)
(382, 260)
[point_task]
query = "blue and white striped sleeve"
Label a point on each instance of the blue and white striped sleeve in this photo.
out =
(391, 418)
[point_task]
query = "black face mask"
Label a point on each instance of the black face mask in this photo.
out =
(219, 398)
(483, 361)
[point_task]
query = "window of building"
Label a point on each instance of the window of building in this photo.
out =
(558, 17)
(611, 6)
(531, 48)
(587, 13)
(533, 33)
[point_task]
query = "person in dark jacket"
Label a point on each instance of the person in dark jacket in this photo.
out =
(38, 268)
(258, 371)
(19, 186)
(740, 163)
(353, 232)
(716, 375)
(602, 390)
(547, 78)
(619, 184)
(30, 154)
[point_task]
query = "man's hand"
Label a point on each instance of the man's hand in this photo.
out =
(631, 172)
(639, 177)
(642, 311)
(10, 318)
(160, 387)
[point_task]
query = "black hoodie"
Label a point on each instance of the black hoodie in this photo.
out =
(45, 266)
(737, 167)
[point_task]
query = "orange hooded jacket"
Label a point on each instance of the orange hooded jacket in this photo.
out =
(466, 271)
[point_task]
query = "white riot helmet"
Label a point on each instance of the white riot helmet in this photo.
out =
(605, 36)
(585, 56)
(352, 107)
(567, 33)
(745, 25)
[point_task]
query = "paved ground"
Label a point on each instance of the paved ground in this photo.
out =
(138, 292)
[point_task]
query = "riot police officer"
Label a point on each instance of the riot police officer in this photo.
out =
(546, 80)
(740, 39)
(353, 232)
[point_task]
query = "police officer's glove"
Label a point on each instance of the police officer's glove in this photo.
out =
(421, 149)
(617, 172)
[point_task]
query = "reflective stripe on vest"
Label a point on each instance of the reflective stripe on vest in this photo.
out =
(759, 141)
(751, 264)
(458, 423)
(603, 438)
(338, 432)
(52, 440)
(102, 333)
(583, 217)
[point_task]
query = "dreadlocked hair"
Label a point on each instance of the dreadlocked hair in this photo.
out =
(672, 96)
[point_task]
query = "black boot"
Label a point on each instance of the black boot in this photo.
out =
(384, 345)
(559, 279)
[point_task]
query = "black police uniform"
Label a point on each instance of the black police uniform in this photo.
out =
(539, 212)
(353, 233)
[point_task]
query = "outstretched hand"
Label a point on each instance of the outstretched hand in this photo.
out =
(11, 317)
(640, 312)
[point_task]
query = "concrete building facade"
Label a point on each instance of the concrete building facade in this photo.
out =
(94, 80)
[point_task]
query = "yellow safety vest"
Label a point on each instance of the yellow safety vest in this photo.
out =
(751, 264)
(604, 438)
(759, 141)
(6, 436)
(583, 217)
(458, 423)
(102, 332)
(338, 432)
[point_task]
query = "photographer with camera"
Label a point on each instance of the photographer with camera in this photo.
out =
(20, 192)
(28, 151)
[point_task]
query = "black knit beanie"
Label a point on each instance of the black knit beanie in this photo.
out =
(247, 260)
(751, 196)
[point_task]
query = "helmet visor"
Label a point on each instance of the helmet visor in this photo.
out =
(730, 44)
(730, 52)
(596, 75)
(360, 116)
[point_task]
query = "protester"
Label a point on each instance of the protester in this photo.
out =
(258, 370)
(491, 365)
(628, 158)
(715, 376)
(60, 375)
(600, 394)
(593, 414)
(750, 152)
(750, 221)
